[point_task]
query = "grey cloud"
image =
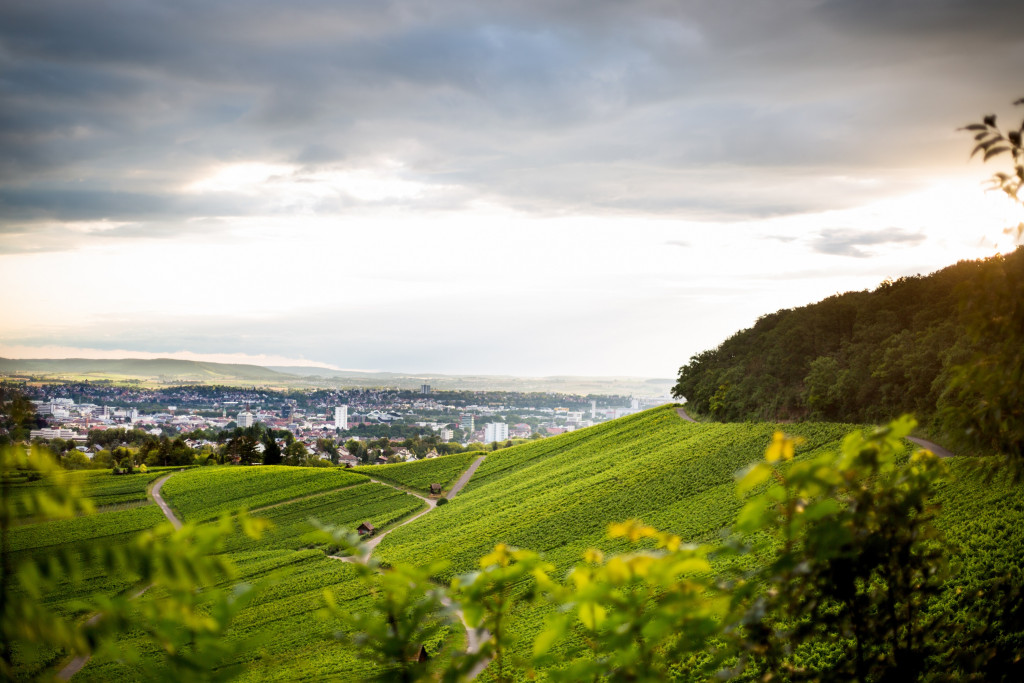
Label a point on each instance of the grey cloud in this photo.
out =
(844, 242)
(683, 108)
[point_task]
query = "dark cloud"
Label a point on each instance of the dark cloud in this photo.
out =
(687, 108)
(844, 242)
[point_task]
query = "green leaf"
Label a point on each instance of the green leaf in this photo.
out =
(755, 475)
(753, 516)
(592, 614)
(555, 629)
(821, 508)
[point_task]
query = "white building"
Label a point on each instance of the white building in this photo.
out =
(47, 433)
(341, 417)
(245, 419)
(495, 431)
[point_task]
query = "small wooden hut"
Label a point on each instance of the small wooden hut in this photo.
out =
(435, 489)
(365, 529)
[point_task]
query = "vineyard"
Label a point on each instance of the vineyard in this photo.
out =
(295, 642)
(99, 485)
(420, 474)
(380, 505)
(556, 496)
(202, 494)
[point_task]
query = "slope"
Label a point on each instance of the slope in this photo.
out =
(557, 496)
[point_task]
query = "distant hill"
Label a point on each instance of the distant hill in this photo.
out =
(169, 370)
(569, 384)
(162, 369)
(860, 356)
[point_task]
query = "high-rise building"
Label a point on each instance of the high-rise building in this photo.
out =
(495, 431)
(466, 422)
(425, 389)
(245, 419)
(341, 417)
(593, 410)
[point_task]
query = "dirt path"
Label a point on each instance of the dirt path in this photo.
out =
(933, 447)
(79, 662)
(682, 414)
(168, 513)
(474, 637)
(464, 479)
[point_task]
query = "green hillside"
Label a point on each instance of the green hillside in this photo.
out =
(420, 474)
(296, 643)
(556, 496)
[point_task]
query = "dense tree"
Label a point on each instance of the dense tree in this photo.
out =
(868, 356)
(271, 451)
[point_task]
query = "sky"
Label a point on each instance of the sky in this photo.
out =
(532, 188)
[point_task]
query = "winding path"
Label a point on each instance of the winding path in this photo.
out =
(76, 664)
(474, 637)
(155, 493)
(683, 414)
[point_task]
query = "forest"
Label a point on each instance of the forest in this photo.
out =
(860, 356)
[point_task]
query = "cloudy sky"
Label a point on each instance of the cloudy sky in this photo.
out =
(567, 187)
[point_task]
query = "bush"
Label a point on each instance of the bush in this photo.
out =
(442, 501)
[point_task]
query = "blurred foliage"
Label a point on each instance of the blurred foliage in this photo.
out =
(178, 607)
(984, 404)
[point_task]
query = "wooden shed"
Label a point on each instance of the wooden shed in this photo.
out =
(365, 529)
(435, 488)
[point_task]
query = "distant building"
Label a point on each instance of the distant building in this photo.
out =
(466, 422)
(425, 389)
(446, 434)
(52, 434)
(245, 419)
(521, 431)
(341, 417)
(495, 431)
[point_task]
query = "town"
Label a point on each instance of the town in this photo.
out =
(328, 424)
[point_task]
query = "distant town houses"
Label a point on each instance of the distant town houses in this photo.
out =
(72, 411)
